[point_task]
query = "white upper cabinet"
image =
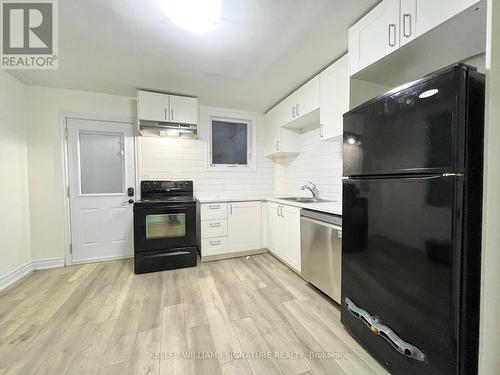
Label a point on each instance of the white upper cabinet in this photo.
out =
(183, 110)
(468, 3)
(407, 20)
(158, 107)
(305, 100)
(334, 98)
(394, 23)
(374, 36)
(152, 106)
(279, 141)
(430, 13)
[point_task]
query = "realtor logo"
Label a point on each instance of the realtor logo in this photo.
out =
(29, 34)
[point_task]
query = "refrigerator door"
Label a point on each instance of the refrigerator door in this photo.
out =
(411, 130)
(400, 253)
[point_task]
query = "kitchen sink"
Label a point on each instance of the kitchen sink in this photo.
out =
(304, 199)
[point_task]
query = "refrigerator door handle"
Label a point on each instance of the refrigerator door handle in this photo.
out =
(401, 346)
(398, 177)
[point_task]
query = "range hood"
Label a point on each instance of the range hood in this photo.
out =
(167, 129)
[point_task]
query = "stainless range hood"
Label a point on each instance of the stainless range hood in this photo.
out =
(167, 129)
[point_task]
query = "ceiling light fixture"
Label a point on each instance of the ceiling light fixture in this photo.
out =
(196, 16)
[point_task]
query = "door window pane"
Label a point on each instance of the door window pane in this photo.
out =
(229, 142)
(101, 163)
(165, 226)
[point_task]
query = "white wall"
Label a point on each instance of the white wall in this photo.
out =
(489, 359)
(14, 218)
(318, 161)
(45, 107)
(164, 158)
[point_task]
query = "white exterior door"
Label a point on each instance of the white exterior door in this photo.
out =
(101, 170)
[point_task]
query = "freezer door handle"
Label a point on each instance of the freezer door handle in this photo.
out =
(402, 347)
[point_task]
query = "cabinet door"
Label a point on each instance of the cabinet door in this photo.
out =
(244, 226)
(272, 131)
(431, 13)
(152, 106)
(183, 110)
(290, 237)
(468, 3)
(375, 35)
(273, 226)
(407, 21)
(306, 98)
(334, 98)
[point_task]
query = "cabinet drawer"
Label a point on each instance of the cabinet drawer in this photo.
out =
(213, 228)
(213, 246)
(213, 211)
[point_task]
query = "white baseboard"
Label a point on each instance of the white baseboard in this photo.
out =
(43, 264)
(20, 272)
(15, 275)
(102, 259)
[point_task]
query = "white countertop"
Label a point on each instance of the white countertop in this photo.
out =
(333, 207)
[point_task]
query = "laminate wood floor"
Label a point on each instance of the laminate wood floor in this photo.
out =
(238, 316)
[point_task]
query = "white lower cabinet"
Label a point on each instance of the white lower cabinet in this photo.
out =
(244, 226)
(229, 229)
(283, 235)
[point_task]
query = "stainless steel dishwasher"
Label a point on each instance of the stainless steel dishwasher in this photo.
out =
(321, 251)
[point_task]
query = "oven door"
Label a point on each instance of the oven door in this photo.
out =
(164, 227)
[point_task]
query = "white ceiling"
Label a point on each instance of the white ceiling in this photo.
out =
(259, 52)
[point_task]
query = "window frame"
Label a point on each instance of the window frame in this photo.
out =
(250, 142)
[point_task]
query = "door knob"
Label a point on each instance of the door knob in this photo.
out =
(130, 201)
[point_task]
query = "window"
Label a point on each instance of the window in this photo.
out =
(230, 142)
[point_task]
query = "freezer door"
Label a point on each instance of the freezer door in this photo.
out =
(414, 130)
(399, 257)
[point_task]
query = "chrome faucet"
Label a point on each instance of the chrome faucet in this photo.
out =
(312, 188)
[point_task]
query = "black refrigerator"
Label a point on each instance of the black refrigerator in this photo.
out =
(411, 246)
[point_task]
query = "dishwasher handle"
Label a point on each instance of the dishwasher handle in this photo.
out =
(324, 223)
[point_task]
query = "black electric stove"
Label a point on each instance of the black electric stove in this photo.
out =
(165, 226)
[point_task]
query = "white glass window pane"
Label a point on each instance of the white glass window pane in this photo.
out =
(101, 163)
(165, 226)
(229, 142)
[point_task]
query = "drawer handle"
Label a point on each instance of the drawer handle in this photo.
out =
(214, 207)
(214, 225)
(215, 242)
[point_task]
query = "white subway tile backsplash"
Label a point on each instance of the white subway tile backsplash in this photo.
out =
(186, 159)
(319, 162)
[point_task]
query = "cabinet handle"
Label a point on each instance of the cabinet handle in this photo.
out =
(172, 114)
(277, 146)
(281, 211)
(166, 115)
(230, 209)
(214, 207)
(321, 130)
(297, 110)
(407, 16)
(215, 242)
(278, 210)
(392, 26)
(214, 225)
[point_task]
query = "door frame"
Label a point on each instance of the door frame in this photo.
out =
(63, 117)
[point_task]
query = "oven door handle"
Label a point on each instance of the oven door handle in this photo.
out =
(165, 209)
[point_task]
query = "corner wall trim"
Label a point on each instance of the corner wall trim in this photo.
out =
(25, 269)
(15, 275)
